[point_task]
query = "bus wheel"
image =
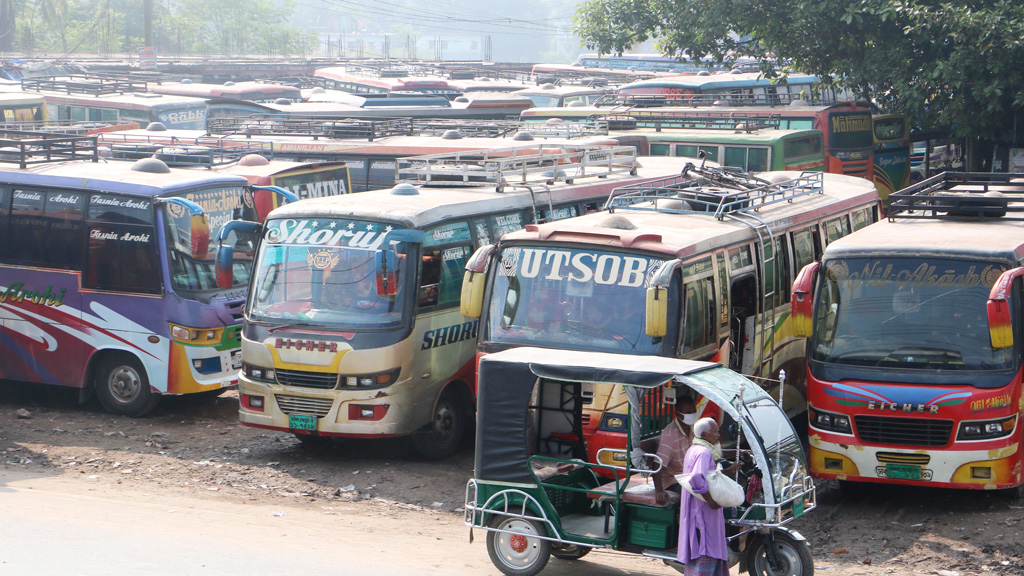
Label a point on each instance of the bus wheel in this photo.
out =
(123, 387)
(443, 436)
(794, 557)
(569, 551)
(515, 550)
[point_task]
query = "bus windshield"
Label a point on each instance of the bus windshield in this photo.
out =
(571, 298)
(324, 271)
(915, 314)
(194, 272)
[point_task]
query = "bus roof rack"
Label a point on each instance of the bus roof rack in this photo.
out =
(25, 147)
(980, 195)
(718, 191)
(543, 162)
(89, 85)
(187, 154)
(738, 121)
(708, 100)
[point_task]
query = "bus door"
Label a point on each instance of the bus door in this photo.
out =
(42, 307)
(743, 299)
(698, 338)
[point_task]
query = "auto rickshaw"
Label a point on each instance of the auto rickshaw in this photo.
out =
(537, 496)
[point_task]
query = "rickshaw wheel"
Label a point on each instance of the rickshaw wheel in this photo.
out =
(794, 557)
(570, 551)
(516, 552)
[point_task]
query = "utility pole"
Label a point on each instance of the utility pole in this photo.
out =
(147, 17)
(6, 25)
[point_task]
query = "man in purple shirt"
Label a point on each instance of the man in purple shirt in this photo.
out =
(702, 544)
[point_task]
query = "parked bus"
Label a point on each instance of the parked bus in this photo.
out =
(732, 88)
(846, 126)
(20, 107)
(914, 336)
(695, 266)
(108, 283)
(749, 151)
(352, 326)
(892, 154)
(551, 95)
(250, 91)
(115, 102)
(384, 82)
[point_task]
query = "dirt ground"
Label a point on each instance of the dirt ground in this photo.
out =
(198, 447)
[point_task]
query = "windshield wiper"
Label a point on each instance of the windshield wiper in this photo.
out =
(290, 325)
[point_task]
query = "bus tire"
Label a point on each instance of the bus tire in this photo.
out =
(515, 552)
(794, 557)
(443, 436)
(569, 551)
(122, 386)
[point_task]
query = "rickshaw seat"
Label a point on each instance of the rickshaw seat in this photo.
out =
(639, 490)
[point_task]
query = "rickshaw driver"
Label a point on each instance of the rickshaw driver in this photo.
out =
(673, 443)
(703, 547)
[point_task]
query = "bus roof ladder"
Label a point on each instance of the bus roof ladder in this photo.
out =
(764, 336)
(502, 167)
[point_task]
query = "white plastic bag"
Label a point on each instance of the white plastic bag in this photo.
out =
(724, 490)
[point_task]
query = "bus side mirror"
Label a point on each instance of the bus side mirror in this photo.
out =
(802, 302)
(223, 267)
(387, 272)
(656, 313)
(266, 198)
(471, 302)
(190, 217)
(200, 235)
(1000, 322)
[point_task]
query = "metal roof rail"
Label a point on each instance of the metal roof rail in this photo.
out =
(25, 148)
(974, 195)
(703, 191)
(89, 85)
(737, 121)
(189, 154)
(542, 162)
(322, 127)
(76, 127)
(509, 127)
(706, 100)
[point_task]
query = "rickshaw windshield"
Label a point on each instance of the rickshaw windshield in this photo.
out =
(770, 435)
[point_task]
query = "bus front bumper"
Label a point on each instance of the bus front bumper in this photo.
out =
(990, 469)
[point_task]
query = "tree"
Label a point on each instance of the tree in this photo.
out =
(945, 64)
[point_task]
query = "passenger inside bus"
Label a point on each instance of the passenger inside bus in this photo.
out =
(358, 293)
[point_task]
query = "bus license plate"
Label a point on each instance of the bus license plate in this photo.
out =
(903, 472)
(301, 422)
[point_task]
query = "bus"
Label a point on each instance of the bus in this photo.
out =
(749, 151)
(107, 277)
(913, 330)
(696, 266)
(352, 325)
(302, 179)
(891, 169)
(115, 103)
(734, 88)
(250, 91)
(367, 81)
(554, 96)
(846, 126)
(20, 107)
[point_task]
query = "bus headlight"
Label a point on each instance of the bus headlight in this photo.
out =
(259, 373)
(616, 422)
(376, 380)
(202, 336)
(986, 429)
(829, 421)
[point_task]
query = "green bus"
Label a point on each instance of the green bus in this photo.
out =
(751, 151)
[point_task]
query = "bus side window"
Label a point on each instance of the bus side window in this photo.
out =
(28, 227)
(804, 250)
(64, 214)
(443, 270)
(5, 224)
(836, 228)
(699, 328)
(121, 253)
(784, 286)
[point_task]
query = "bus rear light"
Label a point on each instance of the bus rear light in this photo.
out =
(987, 429)
(252, 402)
(367, 411)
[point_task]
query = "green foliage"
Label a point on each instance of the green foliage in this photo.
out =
(945, 64)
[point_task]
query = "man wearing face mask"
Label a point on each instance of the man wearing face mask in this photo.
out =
(673, 443)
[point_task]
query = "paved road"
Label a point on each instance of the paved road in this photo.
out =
(69, 526)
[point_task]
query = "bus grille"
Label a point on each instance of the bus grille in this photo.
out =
(899, 458)
(903, 431)
(320, 380)
(318, 407)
